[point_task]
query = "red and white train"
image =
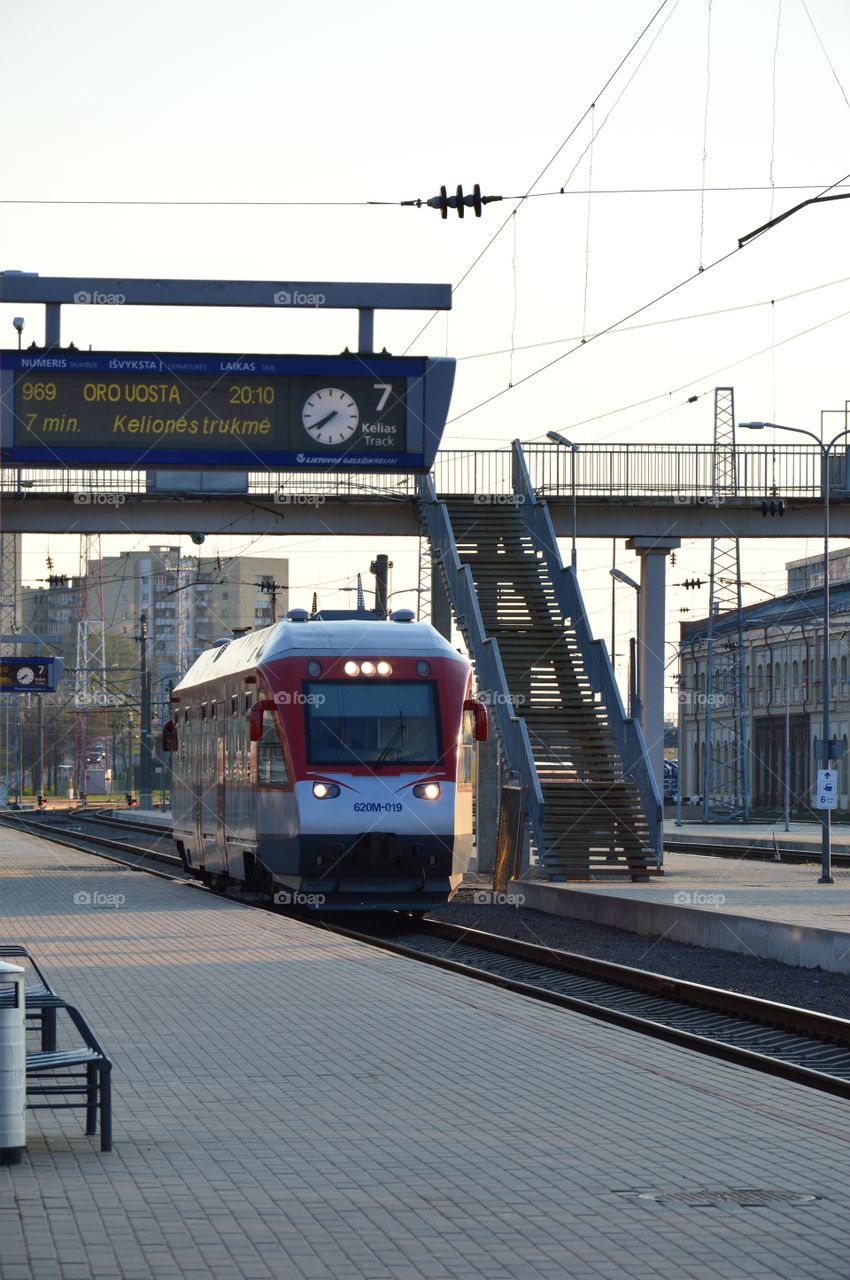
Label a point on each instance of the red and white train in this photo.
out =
(329, 764)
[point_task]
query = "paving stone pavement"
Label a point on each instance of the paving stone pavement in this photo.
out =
(291, 1104)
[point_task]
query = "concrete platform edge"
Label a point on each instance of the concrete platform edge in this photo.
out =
(800, 945)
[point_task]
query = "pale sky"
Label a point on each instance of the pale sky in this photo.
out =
(336, 105)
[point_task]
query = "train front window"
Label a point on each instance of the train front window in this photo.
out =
(350, 722)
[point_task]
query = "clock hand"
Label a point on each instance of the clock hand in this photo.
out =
(316, 426)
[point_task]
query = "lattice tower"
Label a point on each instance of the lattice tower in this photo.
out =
(725, 780)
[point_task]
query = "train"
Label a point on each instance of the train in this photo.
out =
(328, 763)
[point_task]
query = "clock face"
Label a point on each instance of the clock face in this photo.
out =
(25, 675)
(330, 416)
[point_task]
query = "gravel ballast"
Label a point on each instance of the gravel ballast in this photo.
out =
(805, 988)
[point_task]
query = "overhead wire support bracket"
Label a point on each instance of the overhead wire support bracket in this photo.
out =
(787, 214)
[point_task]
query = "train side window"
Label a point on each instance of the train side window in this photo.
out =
(466, 763)
(271, 762)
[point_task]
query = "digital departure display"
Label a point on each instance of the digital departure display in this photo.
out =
(369, 413)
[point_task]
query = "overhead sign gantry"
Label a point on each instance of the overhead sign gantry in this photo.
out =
(356, 411)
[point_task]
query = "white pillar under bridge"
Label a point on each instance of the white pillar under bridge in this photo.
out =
(652, 616)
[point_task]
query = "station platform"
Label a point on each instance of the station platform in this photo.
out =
(154, 817)
(803, 837)
(776, 911)
(292, 1104)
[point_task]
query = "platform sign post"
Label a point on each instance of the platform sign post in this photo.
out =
(826, 791)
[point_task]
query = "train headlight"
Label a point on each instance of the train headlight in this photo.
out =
(384, 669)
(351, 669)
(314, 667)
(367, 668)
(427, 790)
(325, 790)
(423, 668)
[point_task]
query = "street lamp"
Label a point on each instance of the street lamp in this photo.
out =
(557, 438)
(825, 451)
(635, 654)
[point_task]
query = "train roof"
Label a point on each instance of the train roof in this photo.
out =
(284, 639)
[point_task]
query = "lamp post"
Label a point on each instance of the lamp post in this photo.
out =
(635, 707)
(557, 438)
(825, 451)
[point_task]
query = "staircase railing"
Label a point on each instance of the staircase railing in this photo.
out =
(628, 737)
(512, 729)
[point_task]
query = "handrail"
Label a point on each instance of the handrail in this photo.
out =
(627, 733)
(646, 471)
(490, 672)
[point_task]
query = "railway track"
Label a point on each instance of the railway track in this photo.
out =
(759, 853)
(66, 831)
(795, 1044)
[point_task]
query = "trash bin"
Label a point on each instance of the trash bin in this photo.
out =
(13, 1064)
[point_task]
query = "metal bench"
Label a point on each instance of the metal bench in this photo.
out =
(41, 1000)
(92, 1082)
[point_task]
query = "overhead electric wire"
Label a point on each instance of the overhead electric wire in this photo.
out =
(652, 324)
(389, 204)
(702, 271)
(544, 170)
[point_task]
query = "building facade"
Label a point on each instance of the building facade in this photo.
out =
(780, 715)
(188, 603)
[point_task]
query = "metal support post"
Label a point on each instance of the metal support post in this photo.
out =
(145, 733)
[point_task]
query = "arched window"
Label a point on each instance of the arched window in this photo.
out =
(843, 667)
(795, 674)
(845, 768)
(833, 672)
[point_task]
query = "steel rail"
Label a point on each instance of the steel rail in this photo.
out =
(782, 1040)
(639, 1000)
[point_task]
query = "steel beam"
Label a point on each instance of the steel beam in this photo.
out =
(285, 295)
(28, 511)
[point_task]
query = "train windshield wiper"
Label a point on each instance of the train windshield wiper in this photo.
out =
(399, 730)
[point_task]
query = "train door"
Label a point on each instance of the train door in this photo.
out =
(209, 825)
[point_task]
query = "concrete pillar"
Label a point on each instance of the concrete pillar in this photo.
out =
(487, 797)
(652, 616)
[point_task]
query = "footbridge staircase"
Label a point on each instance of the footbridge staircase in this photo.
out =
(591, 801)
